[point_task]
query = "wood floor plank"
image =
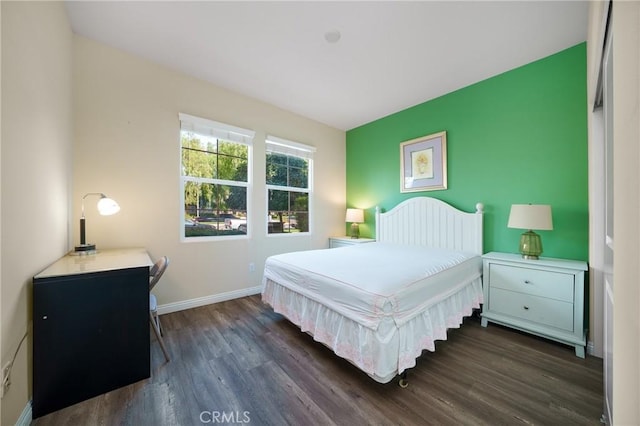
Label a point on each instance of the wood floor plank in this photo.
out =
(239, 358)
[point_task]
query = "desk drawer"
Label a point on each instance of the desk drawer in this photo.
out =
(536, 309)
(536, 282)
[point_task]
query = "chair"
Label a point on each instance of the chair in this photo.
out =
(154, 276)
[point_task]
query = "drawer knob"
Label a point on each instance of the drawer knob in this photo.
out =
(526, 308)
(527, 282)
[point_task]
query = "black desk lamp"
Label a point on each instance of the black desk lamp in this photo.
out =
(106, 207)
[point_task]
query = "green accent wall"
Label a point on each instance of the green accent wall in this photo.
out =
(519, 137)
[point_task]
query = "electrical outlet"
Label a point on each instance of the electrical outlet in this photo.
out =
(252, 267)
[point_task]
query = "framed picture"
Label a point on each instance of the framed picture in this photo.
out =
(423, 163)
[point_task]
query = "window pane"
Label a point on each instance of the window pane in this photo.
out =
(198, 156)
(288, 211)
(212, 210)
(213, 158)
(232, 161)
(298, 178)
(287, 170)
(300, 211)
(276, 174)
(298, 172)
(275, 158)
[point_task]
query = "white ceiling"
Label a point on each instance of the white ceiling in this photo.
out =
(391, 55)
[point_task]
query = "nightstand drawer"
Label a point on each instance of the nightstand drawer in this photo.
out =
(536, 282)
(536, 309)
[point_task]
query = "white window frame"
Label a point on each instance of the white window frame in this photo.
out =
(296, 149)
(221, 131)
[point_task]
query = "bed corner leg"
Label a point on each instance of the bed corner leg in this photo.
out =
(403, 382)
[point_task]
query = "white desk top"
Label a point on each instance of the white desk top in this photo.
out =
(102, 260)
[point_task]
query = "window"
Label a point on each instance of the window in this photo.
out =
(215, 160)
(288, 178)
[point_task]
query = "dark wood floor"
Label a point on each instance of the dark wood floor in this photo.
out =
(241, 362)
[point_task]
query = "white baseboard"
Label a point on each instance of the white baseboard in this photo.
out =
(591, 349)
(207, 300)
(26, 417)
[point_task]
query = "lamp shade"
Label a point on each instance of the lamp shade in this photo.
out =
(355, 216)
(531, 216)
(107, 206)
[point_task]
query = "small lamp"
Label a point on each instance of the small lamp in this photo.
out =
(355, 216)
(106, 207)
(530, 217)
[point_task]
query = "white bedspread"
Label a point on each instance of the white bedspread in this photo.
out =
(370, 282)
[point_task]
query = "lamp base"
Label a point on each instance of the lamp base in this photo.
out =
(530, 245)
(355, 230)
(85, 248)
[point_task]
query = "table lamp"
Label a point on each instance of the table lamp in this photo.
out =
(530, 217)
(106, 207)
(355, 216)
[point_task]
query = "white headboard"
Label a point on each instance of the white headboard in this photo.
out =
(430, 222)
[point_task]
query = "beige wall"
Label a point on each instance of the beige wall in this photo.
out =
(626, 264)
(126, 146)
(36, 170)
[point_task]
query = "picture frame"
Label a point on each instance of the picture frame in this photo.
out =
(423, 163)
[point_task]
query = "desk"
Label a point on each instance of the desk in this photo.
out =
(90, 327)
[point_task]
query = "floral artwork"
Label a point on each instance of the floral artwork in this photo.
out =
(423, 163)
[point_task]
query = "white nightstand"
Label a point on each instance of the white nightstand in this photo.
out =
(347, 241)
(544, 297)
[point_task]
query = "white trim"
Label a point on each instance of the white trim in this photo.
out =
(26, 416)
(216, 181)
(597, 237)
(208, 300)
(216, 129)
(287, 147)
(274, 140)
(288, 188)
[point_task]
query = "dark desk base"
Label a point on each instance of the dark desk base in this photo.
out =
(91, 335)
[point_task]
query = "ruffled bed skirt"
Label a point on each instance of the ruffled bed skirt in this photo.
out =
(384, 352)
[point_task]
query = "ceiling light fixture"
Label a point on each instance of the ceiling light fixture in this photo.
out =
(332, 36)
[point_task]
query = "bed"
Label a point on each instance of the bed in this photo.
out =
(380, 304)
